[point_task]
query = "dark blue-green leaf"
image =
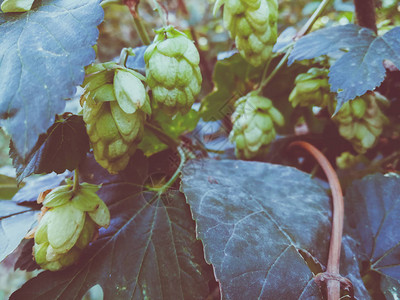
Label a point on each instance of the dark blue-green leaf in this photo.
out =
(149, 251)
(253, 219)
(372, 214)
(15, 222)
(359, 68)
(62, 148)
(42, 57)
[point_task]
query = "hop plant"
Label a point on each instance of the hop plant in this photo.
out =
(254, 125)
(361, 121)
(114, 104)
(15, 6)
(346, 160)
(253, 26)
(312, 89)
(69, 223)
(172, 71)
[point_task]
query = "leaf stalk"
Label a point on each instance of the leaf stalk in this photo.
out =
(333, 284)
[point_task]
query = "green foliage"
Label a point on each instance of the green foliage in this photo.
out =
(252, 226)
(360, 68)
(231, 76)
(160, 259)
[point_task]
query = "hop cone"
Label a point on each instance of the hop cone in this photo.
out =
(361, 121)
(253, 125)
(312, 89)
(71, 220)
(347, 160)
(172, 71)
(253, 26)
(114, 106)
(10, 6)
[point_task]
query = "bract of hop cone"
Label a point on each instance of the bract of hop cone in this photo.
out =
(254, 123)
(172, 71)
(69, 221)
(253, 26)
(115, 104)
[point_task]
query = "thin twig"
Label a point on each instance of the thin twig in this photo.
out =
(76, 180)
(307, 27)
(304, 30)
(333, 285)
(133, 6)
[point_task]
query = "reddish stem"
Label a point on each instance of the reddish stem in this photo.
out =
(333, 285)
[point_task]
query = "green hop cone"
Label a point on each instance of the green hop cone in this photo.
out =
(312, 89)
(172, 71)
(254, 125)
(253, 26)
(14, 6)
(361, 121)
(115, 104)
(346, 160)
(68, 225)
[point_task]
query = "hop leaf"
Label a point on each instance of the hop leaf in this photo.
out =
(254, 125)
(172, 71)
(253, 26)
(114, 106)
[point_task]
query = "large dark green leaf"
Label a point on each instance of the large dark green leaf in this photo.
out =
(42, 55)
(149, 251)
(373, 210)
(361, 68)
(62, 148)
(15, 222)
(254, 220)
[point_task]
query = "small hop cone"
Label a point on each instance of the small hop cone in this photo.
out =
(253, 26)
(67, 225)
(361, 121)
(15, 6)
(115, 104)
(172, 71)
(254, 125)
(312, 89)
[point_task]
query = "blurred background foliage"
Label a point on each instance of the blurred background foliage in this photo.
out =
(196, 19)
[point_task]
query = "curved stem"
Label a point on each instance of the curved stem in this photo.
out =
(177, 172)
(173, 178)
(76, 180)
(123, 57)
(333, 286)
(160, 10)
